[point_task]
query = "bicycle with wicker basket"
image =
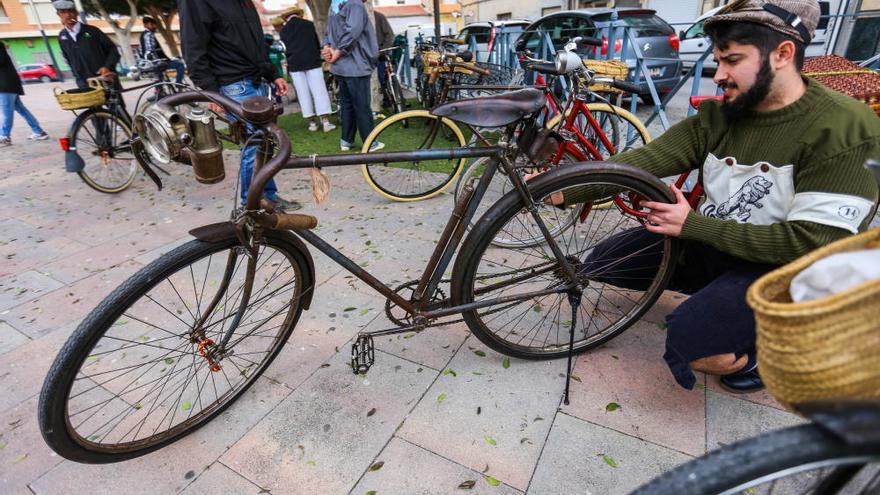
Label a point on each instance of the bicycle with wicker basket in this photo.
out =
(102, 142)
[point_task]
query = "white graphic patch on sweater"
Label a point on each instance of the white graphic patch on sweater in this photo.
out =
(759, 193)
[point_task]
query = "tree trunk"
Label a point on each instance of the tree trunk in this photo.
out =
(375, 89)
(166, 19)
(320, 9)
(123, 34)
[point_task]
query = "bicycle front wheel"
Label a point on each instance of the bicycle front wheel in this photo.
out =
(799, 460)
(103, 141)
(623, 129)
(538, 326)
(140, 373)
(414, 130)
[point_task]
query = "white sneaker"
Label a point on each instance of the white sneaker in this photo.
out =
(38, 137)
(313, 126)
(5, 141)
(344, 145)
(376, 146)
(328, 127)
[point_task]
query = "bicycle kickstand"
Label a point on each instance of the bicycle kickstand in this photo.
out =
(574, 300)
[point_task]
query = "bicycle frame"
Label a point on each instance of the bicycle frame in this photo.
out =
(447, 244)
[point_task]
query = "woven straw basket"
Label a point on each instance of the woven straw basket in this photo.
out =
(822, 349)
(74, 99)
(606, 68)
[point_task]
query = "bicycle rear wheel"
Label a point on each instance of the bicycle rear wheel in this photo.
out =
(138, 373)
(103, 140)
(538, 327)
(795, 460)
(414, 130)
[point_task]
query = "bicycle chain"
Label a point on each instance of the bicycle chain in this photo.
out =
(389, 305)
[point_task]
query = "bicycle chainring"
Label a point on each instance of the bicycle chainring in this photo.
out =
(396, 314)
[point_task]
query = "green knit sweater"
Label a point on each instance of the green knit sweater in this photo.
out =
(779, 184)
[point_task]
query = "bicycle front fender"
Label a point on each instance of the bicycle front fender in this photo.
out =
(222, 231)
(853, 421)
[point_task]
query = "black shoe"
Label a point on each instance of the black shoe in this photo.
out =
(744, 381)
(282, 205)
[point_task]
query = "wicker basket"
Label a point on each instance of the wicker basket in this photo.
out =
(828, 348)
(841, 75)
(606, 68)
(74, 99)
(430, 59)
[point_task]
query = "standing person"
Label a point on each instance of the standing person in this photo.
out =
(781, 161)
(88, 51)
(224, 49)
(304, 63)
(385, 39)
(10, 102)
(150, 49)
(350, 47)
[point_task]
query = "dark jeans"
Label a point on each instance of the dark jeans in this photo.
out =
(354, 107)
(714, 320)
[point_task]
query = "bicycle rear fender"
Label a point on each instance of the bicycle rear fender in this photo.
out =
(856, 422)
(221, 231)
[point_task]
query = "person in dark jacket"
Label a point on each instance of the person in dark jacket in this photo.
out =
(10, 101)
(304, 63)
(150, 49)
(223, 47)
(385, 39)
(88, 51)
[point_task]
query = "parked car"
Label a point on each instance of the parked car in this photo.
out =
(657, 40)
(694, 42)
(38, 72)
(482, 34)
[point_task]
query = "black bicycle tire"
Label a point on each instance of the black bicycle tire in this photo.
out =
(52, 408)
(748, 460)
(74, 135)
(482, 234)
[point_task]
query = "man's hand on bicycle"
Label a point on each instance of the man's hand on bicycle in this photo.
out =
(668, 218)
(106, 74)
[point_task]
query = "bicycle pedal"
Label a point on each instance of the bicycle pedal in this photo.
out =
(363, 354)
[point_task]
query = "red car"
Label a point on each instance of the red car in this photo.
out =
(38, 72)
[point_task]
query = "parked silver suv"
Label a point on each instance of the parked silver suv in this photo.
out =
(655, 37)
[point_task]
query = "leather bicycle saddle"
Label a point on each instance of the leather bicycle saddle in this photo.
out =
(495, 110)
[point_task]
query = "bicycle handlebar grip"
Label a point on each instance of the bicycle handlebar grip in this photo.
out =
(472, 67)
(625, 86)
(292, 221)
(454, 41)
(586, 40)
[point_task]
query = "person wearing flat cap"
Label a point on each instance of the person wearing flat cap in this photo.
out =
(88, 51)
(781, 161)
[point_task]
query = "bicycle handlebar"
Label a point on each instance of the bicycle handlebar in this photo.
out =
(617, 83)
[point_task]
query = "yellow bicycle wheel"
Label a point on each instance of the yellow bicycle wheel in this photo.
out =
(416, 180)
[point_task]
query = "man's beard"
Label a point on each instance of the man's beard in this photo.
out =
(740, 106)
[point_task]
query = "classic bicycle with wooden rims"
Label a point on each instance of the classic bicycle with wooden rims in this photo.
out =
(182, 339)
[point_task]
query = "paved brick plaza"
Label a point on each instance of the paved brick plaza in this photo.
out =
(304, 426)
